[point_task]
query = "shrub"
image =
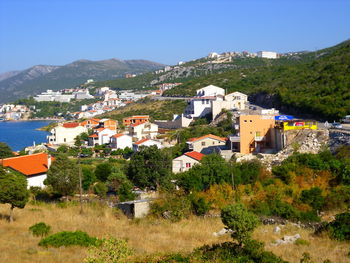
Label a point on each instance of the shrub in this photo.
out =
(200, 206)
(67, 238)
(100, 189)
(340, 227)
(313, 197)
(111, 250)
(40, 229)
(242, 222)
(302, 242)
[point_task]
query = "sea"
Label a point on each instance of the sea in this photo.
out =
(20, 134)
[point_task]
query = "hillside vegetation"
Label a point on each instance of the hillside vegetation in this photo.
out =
(318, 85)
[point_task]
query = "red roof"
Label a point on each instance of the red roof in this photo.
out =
(118, 135)
(195, 155)
(141, 141)
(28, 165)
(208, 136)
(70, 125)
(93, 135)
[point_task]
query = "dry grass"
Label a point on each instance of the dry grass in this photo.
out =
(145, 236)
(320, 248)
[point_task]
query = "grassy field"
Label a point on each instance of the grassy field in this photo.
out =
(145, 236)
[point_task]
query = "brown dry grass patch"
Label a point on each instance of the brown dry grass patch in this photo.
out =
(144, 236)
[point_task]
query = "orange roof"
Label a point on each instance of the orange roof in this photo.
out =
(195, 155)
(141, 141)
(93, 135)
(70, 125)
(28, 165)
(118, 135)
(207, 136)
(137, 117)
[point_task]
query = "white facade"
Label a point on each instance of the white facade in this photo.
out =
(62, 135)
(210, 90)
(183, 163)
(102, 90)
(267, 54)
(144, 130)
(121, 141)
(103, 137)
(147, 143)
(37, 180)
(50, 95)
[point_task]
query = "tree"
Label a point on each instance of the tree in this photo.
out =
(13, 190)
(63, 175)
(5, 151)
(88, 176)
(242, 222)
(102, 171)
(149, 167)
(121, 185)
(313, 197)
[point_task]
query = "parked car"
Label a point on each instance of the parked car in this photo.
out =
(336, 125)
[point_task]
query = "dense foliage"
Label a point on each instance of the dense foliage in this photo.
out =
(40, 229)
(5, 151)
(67, 238)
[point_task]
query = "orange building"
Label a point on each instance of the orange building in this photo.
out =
(256, 133)
(90, 123)
(108, 124)
(136, 119)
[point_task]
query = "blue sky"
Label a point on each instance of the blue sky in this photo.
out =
(57, 32)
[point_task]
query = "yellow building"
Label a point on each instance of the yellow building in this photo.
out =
(299, 125)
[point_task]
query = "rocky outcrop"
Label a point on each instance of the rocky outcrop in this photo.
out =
(338, 139)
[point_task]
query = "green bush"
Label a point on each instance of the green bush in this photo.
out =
(200, 206)
(40, 229)
(313, 197)
(340, 227)
(67, 238)
(100, 189)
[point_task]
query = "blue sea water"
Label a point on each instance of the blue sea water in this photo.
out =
(20, 134)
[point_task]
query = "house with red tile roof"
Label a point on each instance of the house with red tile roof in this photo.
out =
(34, 167)
(146, 142)
(120, 141)
(186, 161)
(65, 133)
(206, 144)
(136, 119)
(101, 136)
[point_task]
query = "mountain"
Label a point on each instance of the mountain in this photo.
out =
(39, 78)
(8, 74)
(318, 86)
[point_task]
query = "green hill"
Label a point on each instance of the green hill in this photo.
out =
(319, 84)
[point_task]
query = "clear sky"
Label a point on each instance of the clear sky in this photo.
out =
(57, 32)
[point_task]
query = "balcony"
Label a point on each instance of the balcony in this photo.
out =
(235, 138)
(259, 138)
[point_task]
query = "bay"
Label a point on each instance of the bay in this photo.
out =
(20, 134)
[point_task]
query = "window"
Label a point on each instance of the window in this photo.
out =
(245, 120)
(203, 101)
(250, 120)
(213, 143)
(203, 143)
(207, 101)
(257, 134)
(188, 165)
(64, 139)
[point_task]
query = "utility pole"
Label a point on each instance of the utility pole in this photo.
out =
(80, 183)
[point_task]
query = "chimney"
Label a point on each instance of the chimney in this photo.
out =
(48, 161)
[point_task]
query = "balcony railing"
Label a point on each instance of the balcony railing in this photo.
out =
(259, 138)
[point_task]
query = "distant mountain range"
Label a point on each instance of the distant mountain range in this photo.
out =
(20, 84)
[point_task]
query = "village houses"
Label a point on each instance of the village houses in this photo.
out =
(34, 167)
(143, 130)
(120, 141)
(186, 161)
(206, 144)
(146, 143)
(65, 133)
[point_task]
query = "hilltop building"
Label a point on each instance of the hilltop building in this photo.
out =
(267, 54)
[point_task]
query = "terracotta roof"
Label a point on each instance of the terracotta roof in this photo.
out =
(70, 125)
(208, 136)
(195, 155)
(93, 135)
(118, 135)
(141, 141)
(28, 164)
(138, 117)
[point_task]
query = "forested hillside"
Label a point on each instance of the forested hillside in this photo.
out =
(319, 86)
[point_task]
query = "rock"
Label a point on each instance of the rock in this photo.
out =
(222, 232)
(286, 240)
(277, 229)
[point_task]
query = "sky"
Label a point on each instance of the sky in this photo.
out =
(58, 32)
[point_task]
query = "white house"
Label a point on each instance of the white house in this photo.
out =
(146, 142)
(201, 104)
(121, 141)
(101, 136)
(267, 54)
(65, 133)
(186, 161)
(235, 100)
(143, 130)
(34, 167)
